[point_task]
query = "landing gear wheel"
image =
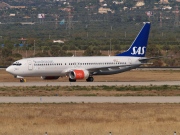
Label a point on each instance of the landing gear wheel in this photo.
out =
(90, 79)
(72, 80)
(22, 80)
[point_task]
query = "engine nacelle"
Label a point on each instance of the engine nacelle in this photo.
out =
(79, 74)
(49, 77)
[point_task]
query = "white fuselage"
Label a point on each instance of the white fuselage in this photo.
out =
(61, 66)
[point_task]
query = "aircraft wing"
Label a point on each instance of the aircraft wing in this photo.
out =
(95, 69)
(107, 69)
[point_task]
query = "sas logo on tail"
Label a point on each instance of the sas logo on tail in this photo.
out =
(139, 50)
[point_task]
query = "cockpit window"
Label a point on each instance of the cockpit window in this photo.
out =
(17, 64)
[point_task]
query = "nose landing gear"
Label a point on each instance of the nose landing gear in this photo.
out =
(22, 80)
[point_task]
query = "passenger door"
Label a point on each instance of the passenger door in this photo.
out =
(30, 65)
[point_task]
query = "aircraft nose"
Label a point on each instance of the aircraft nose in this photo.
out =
(9, 69)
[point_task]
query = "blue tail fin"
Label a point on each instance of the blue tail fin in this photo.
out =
(138, 47)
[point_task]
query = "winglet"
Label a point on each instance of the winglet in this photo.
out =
(138, 47)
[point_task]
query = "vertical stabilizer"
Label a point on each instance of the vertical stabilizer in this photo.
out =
(139, 45)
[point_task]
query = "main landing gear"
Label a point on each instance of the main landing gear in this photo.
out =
(90, 79)
(22, 80)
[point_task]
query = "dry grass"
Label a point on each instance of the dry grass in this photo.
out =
(89, 119)
(91, 91)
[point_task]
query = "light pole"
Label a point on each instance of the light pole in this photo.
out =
(34, 48)
(110, 48)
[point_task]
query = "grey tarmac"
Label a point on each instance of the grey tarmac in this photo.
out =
(84, 99)
(10, 84)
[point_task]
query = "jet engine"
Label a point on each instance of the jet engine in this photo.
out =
(49, 77)
(78, 74)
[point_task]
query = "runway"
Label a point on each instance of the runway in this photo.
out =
(84, 99)
(11, 84)
(81, 99)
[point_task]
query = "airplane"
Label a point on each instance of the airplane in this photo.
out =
(77, 68)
